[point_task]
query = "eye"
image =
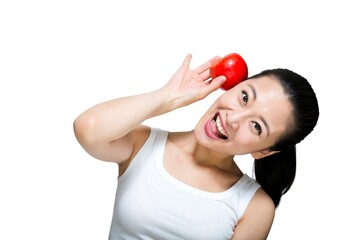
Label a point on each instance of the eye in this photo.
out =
(244, 96)
(257, 127)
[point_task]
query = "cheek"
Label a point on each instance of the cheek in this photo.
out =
(245, 141)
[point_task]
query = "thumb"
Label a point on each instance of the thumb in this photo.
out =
(213, 85)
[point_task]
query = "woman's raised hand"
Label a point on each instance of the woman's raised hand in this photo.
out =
(188, 86)
(106, 129)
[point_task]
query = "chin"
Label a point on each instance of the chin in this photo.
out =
(200, 136)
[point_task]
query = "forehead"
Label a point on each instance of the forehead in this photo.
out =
(266, 86)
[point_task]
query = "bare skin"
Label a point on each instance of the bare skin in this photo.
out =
(251, 116)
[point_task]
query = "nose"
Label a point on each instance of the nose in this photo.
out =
(234, 118)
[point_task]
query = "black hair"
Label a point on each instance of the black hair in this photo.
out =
(276, 173)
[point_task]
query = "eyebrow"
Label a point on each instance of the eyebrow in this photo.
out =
(261, 117)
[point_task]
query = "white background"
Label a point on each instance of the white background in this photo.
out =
(57, 58)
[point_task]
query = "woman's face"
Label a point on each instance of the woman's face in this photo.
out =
(247, 118)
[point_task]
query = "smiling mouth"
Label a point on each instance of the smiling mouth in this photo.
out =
(216, 127)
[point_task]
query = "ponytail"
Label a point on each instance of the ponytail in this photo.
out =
(276, 173)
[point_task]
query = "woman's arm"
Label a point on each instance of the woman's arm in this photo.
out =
(257, 220)
(105, 130)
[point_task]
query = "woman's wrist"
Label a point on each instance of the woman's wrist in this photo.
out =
(168, 100)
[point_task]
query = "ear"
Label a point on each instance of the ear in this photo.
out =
(262, 154)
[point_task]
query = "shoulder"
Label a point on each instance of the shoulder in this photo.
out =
(257, 219)
(140, 133)
(139, 136)
(261, 202)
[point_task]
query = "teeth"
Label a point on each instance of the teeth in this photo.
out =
(219, 126)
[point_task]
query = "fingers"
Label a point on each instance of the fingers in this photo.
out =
(187, 60)
(206, 65)
(212, 86)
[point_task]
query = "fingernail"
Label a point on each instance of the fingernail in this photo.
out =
(222, 78)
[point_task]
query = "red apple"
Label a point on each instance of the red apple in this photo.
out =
(233, 67)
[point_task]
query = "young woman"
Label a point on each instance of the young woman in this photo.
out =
(186, 185)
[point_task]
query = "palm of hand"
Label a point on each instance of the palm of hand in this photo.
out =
(188, 86)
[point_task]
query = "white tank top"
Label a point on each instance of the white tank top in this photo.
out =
(152, 204)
